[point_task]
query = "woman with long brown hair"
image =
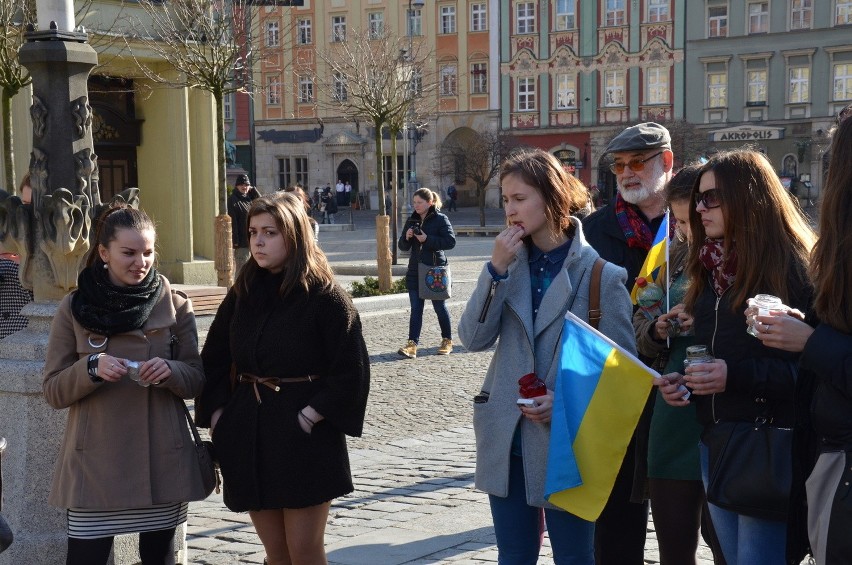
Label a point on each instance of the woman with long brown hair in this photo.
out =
(287, 376)
(749, 237)
(826, 365)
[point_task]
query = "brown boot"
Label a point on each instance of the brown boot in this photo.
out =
(409, 349)
(446, 347)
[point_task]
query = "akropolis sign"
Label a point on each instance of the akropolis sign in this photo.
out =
(747, 133)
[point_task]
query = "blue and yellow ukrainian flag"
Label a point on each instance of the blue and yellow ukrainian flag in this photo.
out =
(600, 393)
(654, 267)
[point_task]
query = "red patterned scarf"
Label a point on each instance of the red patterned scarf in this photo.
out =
(636, 231)
(722, 269)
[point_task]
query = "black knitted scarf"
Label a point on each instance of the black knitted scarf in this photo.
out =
(107, 309)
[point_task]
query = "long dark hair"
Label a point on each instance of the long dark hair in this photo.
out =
(119, 216)
(562, 193)
(306, 264)
(831, 261)
(770, 231)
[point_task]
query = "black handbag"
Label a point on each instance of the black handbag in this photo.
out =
(434, 281)
(750, 468)
(204, 450)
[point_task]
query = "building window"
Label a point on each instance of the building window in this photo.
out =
(756, 88)
(304, 35)
(293, 171)
(758, 17)
(566, 15)
(479, 78)
(228, 106)
(843, 12)
(306, 90)
(478, 17)
(800, 85)
(449, 78)
(615, 13)
(566, 91)
(339, 92)
(377, 24)
(614, 88)
(658, 10)
(526, 94)
(717, 21)
(448, 19)
(272, 34)
(843, 82)
(657, 83)
(717, 90)
(525, 17)
(338, 28)
(273, 91)
(415, 22)
(801, 12)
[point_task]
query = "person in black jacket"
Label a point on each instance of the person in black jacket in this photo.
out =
(825, 406)
(288, 376)
(622, 233)
(238, 205)
(427, 234)
(749, 238)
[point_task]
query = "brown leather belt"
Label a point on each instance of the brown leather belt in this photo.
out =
(271, 382)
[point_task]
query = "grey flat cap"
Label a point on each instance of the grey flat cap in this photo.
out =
(648, 135)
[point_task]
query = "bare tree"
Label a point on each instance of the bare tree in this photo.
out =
(15, 15)
(476, 157)
(380, 79)
(211, 44)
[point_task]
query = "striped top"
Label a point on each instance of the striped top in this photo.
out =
(90, 524)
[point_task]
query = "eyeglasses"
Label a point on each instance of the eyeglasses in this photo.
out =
(709, 198)
(636, 165)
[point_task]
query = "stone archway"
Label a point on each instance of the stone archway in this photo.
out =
(348, 171)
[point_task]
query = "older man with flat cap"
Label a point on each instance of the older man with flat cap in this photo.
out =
(622, 233)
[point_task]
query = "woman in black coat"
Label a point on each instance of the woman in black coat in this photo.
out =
(427, 234)
(287, 376)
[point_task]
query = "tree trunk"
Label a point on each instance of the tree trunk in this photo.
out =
(223, 246)
(8, 157)
(480, 193)
(394, 227)
(383, 256)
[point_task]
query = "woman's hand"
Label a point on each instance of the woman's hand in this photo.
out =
(663, 323)
(707, 378)
(214, 418)
(669, 387)
(542, 411)
(154, 371)
(506, 247)
(421, 237)
(783, 331)
(308, 418)
(111, 368)
(409, 233)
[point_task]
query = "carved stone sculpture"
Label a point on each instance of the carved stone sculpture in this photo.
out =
(65, 223)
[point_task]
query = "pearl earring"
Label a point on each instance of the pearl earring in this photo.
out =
(106, 266)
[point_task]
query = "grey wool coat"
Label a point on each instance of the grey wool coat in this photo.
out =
(524, 347)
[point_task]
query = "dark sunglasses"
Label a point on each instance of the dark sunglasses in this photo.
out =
(709, 198)
(636, 165)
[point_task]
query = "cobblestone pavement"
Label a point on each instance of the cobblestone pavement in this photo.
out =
(414, 500)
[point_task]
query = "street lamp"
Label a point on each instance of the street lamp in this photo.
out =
(412, 4)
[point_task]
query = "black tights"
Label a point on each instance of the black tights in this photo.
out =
(154, 547)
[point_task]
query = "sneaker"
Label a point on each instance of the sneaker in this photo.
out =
(409, 349)
(446, 347)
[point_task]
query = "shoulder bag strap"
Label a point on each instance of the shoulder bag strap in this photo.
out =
(595, 293)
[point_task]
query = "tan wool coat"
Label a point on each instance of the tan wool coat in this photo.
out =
(125, 446)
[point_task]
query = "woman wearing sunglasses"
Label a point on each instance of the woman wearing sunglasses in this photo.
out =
(749, 238)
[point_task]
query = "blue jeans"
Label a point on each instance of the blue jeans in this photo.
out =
(745, 540)
(519, 527)
(415, 323)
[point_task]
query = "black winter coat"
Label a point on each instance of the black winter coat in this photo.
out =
(267, 461)
(761, 380)
(604, 233)
(238, 207)
(439, 238)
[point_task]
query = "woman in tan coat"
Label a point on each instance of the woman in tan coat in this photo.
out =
(127, 462)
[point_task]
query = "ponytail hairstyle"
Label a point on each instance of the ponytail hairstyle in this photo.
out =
(118, 216)
(429, 196)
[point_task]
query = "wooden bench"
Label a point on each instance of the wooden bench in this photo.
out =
(205, 298)
(478, 231)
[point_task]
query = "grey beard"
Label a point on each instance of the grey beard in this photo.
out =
(647, 191)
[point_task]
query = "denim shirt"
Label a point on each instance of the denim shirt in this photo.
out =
(544, 267)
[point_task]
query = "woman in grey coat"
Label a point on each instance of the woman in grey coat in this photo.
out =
(539, 269)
